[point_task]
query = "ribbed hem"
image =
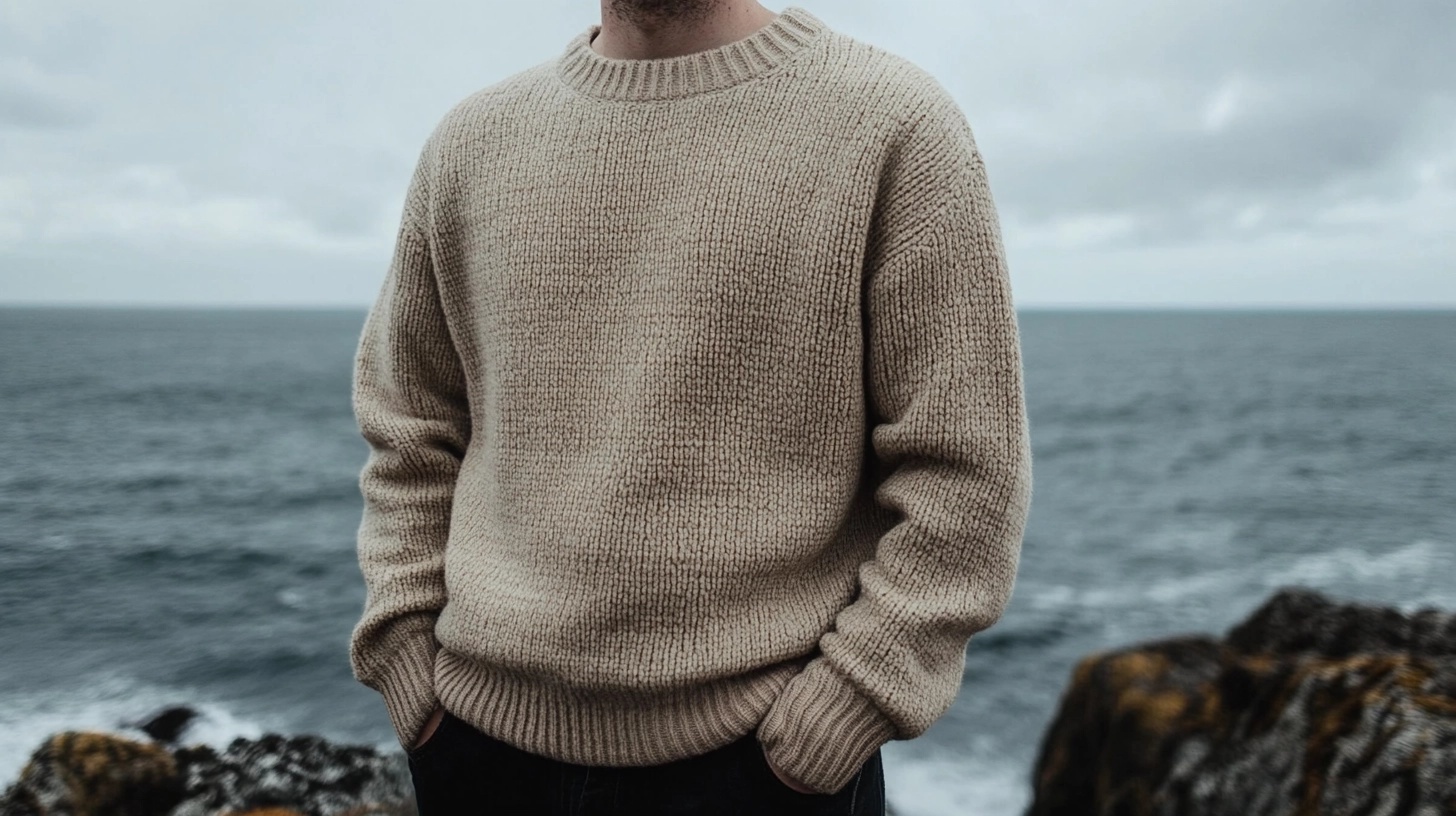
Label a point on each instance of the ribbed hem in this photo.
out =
(407, 682)
(758, 54)
(628, 729)
(821, 730)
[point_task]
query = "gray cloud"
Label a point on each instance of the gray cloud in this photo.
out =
(1288, 149)
(1176, 113)
(31, 98)
(21, 108)
(1122, 138)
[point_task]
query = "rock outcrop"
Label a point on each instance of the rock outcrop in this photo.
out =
(1307, 707)
(92, 773)
(86, 773)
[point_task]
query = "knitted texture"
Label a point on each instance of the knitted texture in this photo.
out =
(693, 396)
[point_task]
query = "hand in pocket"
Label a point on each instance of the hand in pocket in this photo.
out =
(791, 783)
(431, 725)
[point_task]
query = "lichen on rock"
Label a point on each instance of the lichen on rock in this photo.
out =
(1309, 706)
(90, 773)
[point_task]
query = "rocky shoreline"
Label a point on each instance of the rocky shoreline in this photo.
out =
(93, 772)
(1309, 706)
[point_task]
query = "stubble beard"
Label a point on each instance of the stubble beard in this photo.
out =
(651, 14)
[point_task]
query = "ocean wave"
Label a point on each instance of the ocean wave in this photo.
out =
(108, 702)
(918, 785)
(1345, 570)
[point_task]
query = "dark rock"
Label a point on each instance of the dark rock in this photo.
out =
(75, 772)
(166, 725)
(1297, 620)
(94, 772)
(303, 773)
(1307, 707)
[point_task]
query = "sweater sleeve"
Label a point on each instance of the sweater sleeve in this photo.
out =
(943, 381)
(410, 402)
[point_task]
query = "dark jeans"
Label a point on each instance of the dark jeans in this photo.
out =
(461, 771)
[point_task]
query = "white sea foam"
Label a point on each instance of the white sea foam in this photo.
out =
(952, 786)
(1405, 574)
(1351, 568)
(26, 719)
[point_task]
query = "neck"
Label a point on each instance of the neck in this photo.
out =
(659, 29)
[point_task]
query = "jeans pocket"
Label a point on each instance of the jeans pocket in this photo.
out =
(420, 752)
(868, 788)
(772, 778)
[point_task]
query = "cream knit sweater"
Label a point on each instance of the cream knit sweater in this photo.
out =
(694, 403)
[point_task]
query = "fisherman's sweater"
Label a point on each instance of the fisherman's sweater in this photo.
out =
(693, 398)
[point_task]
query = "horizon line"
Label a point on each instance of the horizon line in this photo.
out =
(1030, 307)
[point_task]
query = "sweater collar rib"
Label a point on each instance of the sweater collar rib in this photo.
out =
(672, 77)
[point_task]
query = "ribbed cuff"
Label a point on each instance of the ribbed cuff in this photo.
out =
(407, 681)
(821, 730)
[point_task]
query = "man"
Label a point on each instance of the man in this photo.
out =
(697, 441)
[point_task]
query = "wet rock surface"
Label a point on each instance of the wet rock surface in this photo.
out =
(92, 772)
(1309, 706)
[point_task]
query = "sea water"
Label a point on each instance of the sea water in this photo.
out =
(179, 498)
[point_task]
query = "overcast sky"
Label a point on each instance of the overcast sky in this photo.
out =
(1142, 152)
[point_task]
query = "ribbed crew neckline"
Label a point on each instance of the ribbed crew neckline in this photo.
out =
(643, 80)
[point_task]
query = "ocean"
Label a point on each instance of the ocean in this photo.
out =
(179, 497)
